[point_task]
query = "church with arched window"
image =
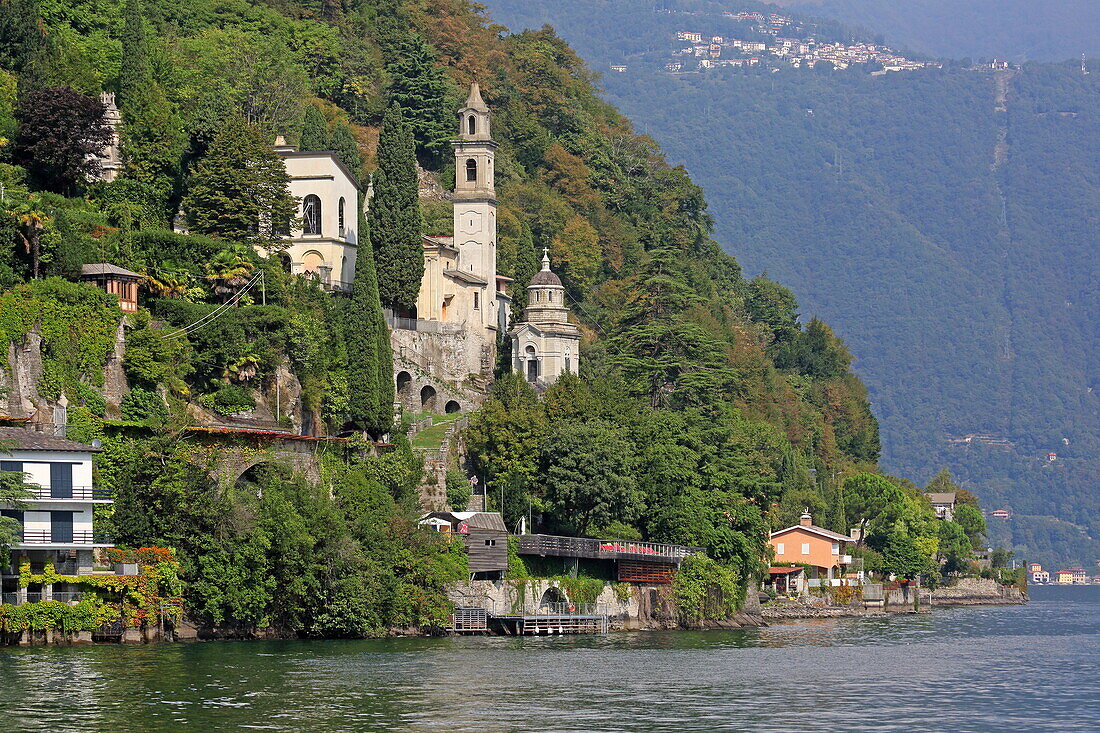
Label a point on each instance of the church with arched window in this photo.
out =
(323, 246)
(545, 344)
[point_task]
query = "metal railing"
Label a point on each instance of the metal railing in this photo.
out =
(421, 325)
(78, 537)
(554, 546)
(75, 493)
(59, 596)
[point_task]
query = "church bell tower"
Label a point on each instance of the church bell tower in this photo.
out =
(475, 204)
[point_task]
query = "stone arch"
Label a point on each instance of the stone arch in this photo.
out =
(471, 123)
(312, 261)
(427, 398)
(471, 170)
(404, 379)
(553, 594)
(452, 406)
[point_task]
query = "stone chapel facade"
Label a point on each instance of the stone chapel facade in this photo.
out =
(545, 344)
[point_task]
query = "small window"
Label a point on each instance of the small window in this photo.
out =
(477, 300)
(311, 215)
(805, 548)
(472, 125)
(780, 548)
(490, 543)
(836, 548)
(567, 363)
(340, 215)
(471, 170)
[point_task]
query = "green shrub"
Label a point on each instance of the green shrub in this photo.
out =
(230, 399)
(705, 589)
(144, 405)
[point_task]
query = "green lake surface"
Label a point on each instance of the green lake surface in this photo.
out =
(1023, 668)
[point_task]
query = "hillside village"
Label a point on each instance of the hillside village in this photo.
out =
(784, 42)
(257, 382)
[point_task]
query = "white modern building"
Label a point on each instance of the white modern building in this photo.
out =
(323, 246)
(57, 523)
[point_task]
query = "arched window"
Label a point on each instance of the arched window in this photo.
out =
(471, 170)
(472, 124)
(532, 363)
(311, 215)
(340, 215)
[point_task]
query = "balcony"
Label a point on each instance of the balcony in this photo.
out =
(75, 537)
(74, 493)
(61, 596)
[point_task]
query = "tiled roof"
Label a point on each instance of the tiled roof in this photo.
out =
(24, 439)
(945, 498)
(814, 529)
(105, 268)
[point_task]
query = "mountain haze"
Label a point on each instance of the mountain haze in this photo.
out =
(945, 221)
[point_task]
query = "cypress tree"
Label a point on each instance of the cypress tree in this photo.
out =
(314, 131)
(135, 73)
(362, 343)
(152, 137)
(395, 215)
(343, 144)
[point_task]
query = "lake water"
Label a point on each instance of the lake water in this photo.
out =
(1034, 667)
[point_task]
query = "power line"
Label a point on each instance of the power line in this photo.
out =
(217, 312)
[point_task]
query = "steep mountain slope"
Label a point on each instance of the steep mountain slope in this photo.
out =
(945, 221)
(1043, 30)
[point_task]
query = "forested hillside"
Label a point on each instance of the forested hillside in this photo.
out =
(1042, 30)
(951, 242)
(705, 412)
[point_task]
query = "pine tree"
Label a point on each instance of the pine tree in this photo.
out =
(346, 148)
(239, 188)
(419, 86)
(315, 135)
(370, 363)
(395, 215)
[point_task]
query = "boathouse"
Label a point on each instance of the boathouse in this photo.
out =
(627, 561)
(483, 534)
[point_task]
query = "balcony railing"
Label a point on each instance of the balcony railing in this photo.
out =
(582, 547)
(77, 537)
(60, 596)
(77, 493)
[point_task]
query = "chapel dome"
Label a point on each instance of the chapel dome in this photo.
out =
(545, 277)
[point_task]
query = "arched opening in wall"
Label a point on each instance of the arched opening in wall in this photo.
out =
(452, 407)
(262, 474)
(427, 398)
(284, 261)
(532, 370)
(311, 263)
(471, 170)
(404, 379)
(552, 596)
(311, 214)
(340, 215)
(471, 124)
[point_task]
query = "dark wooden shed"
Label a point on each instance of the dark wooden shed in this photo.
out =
(484, 535)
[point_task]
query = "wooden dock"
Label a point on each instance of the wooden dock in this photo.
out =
(548, 619)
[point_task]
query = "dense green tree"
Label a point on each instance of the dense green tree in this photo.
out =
(346, 148)
(419, 86)
(954, 547)
(972, 523)
(315, 134)
(13, 494)
(61, 131)
(773, 305)
(370, 370)
(394, 215)
(902, 557)
(239, 189)
(587, 473)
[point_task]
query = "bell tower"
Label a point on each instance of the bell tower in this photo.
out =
(475, 204)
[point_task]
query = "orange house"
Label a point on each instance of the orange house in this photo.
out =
(807, 544)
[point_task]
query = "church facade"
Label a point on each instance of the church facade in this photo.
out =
(545, 344)
(323, 246)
